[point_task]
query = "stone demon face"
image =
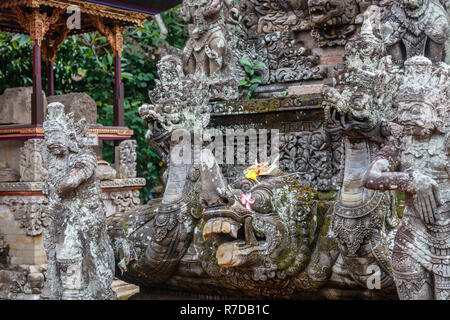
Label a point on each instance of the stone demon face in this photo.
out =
(417, 118)
(56, 142)
(323, 11)
(255, 224)
(412, 4)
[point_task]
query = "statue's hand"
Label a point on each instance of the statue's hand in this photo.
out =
(54, 200)
(426, 198)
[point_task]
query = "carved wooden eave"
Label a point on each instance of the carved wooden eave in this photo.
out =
(26, 132)
(124, 17)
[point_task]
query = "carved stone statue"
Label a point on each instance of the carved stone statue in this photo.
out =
(364, 222)
(80, 256)
(266, 239)
(416, 161)
(159, 233)
(207, 51)
(416, 28)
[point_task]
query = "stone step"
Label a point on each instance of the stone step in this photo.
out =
(123, 289)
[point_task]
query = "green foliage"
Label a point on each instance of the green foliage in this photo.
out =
(15, 61)
(252, 81)
(85, 64)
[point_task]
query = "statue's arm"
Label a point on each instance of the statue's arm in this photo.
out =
(424, 190)
(381, 175)
(82, 170)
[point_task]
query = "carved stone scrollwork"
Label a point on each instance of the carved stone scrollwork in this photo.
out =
(125, 200)
(335, 21)
(288, 60)
(352, 226)
(32, 215)
(311, 155)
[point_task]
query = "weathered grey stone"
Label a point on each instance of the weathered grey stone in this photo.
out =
(8, 174)
(104, 171)
(82, 105)
(415, 161)
(15, 105)
(80, 256)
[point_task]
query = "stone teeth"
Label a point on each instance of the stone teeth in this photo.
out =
(215, 226)
(207, 231)
(234, 231)
(226, 227)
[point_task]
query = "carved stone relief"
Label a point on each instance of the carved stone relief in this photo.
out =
(32, 215)
(32, 166)
(126, 159)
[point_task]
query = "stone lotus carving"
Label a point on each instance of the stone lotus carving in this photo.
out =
(418, 27)
(416, 161)
(80, 257)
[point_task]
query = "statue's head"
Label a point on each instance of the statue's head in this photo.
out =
(170, 68)
(414, 8)
(422, 99)
(412, 4)
(62, 134)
